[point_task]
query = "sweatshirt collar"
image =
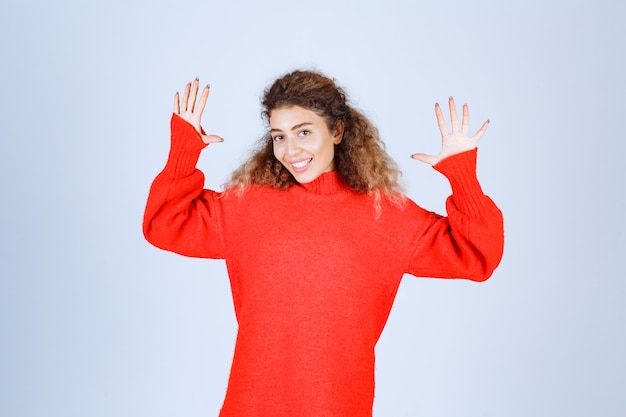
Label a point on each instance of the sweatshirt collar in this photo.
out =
(326, 184)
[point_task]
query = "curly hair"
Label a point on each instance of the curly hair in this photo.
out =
(360, 157)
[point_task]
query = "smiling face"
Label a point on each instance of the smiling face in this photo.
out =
(303, 143)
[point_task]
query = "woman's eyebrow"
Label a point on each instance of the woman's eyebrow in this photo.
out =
(299, 125)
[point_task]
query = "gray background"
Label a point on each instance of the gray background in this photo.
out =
(96, 322)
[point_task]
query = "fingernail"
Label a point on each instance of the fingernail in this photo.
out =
(436, 104)
(450, 98)
(488, 121)
(208, 86)
(197, 79)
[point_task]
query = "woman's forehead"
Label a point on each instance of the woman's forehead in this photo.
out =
(287, 117)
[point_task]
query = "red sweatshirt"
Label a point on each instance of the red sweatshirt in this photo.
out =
(314, 272)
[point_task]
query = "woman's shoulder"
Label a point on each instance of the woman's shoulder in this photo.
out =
(402, 206)
(246, 194)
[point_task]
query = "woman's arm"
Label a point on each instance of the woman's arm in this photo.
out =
(180, 215)
(469, 242)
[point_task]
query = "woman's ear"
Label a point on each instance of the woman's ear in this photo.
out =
(338, 132)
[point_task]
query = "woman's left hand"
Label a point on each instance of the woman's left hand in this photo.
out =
(455, 141)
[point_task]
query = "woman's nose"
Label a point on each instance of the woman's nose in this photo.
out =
(292, 146)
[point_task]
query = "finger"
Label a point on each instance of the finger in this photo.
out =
(186, 96)
(429, 159)
(443, 128)
(481, 131)
(454, 118)
(212, 138)
(465, 122)
(192, 95)
(203, 100)
(176, 103)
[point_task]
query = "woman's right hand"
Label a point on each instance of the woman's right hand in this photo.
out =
(192, 113)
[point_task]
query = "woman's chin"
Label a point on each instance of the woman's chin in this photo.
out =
(306, 177)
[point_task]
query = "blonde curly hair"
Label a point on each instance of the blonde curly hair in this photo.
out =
(360, 157)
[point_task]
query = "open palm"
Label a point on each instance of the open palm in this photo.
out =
(453, 141)
(192, 113)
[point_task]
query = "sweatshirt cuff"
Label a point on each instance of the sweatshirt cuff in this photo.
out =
(460, 170)
(186, 145)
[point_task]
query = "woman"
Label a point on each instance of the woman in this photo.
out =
(317, 235)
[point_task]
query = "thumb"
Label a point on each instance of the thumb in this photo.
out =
(428, 159)
(211, 139)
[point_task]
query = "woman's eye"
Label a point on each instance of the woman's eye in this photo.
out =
(278, 138)
(305, 132)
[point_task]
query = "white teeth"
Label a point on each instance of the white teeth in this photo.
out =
(301, 164)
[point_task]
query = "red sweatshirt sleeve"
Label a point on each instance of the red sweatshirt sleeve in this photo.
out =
(180, 215)
(469, 242)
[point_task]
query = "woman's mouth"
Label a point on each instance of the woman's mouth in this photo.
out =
(300, 165)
